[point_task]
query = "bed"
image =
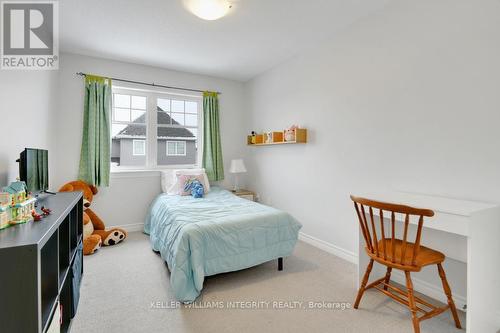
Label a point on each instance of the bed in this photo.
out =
(215, 234)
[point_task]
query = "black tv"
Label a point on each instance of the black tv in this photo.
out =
(34, 169)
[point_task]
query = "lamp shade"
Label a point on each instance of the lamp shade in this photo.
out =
(237, 166)
(208, 9)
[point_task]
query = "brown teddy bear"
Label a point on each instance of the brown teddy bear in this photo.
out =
(94, 233)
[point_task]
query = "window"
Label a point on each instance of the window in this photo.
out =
(129, 129)
(153, 129)
(177, 119)
(176, 148)
(139, 147)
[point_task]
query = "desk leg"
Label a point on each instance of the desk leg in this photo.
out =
(483, 272)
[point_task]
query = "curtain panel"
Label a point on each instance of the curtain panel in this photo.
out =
(96, 140)
(212, 149)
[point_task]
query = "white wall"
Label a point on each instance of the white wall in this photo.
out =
(127, 199)
(27, 104)
(407, 98)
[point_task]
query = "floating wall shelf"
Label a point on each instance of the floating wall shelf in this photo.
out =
(277, 138)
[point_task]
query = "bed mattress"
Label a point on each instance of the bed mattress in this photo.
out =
(215, 234)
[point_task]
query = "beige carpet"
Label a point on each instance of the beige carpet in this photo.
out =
(121, 282)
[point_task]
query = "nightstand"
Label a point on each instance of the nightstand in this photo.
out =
(245, 194)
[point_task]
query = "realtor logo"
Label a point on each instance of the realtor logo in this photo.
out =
(30, 35)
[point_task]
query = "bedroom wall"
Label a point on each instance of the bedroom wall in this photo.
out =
(27, 107)
(126, 201)
(407, 98)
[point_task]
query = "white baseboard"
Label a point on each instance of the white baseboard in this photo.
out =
(330, 248)
(130, 227)
(433, 291)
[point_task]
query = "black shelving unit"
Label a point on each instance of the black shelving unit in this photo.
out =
(64, 248)
(41, 264)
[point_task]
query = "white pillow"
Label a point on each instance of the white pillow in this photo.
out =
(167, 180)
(177, 188)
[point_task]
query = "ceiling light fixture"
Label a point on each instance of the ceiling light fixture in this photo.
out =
(208, 9)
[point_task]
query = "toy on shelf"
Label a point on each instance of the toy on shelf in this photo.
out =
(254, 137)
(16, 205)
(36, 217)
(290, 133)
(268, 137)
(46, 211)
(5, 203)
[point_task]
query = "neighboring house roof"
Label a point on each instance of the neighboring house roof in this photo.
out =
(166, 132)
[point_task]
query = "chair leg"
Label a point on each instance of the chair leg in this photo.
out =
(387, 276)
(411, 301)
(363, 283)
(447, 291)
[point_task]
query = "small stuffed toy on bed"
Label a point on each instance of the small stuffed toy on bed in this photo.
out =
(195, 187)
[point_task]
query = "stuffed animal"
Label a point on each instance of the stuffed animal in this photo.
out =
(94, 233)
(290, 133)
(195, 187)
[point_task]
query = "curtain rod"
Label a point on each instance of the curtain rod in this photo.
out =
(148, 84)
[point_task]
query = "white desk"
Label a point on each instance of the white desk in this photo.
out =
(469, 233)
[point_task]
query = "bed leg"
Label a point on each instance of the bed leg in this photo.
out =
(280, 264)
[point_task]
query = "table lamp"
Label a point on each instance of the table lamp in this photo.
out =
(237, 167)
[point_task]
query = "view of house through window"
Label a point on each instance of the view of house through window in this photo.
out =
(177, 131)
(175, 118)
(128, 130)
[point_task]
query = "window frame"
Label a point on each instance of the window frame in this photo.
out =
(176, 147)
(151, 144)
(134, 141)
(131, 109)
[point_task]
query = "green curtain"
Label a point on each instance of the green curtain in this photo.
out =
(96, 140)
(212, 150)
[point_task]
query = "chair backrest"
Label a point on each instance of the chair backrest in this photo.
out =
(369, 230)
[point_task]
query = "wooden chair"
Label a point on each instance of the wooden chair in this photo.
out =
(400, 254)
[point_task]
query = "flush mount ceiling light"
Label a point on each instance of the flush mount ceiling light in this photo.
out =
(208, 9)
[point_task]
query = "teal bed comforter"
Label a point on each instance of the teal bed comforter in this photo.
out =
(215, 234)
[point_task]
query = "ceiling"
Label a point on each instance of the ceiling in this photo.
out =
(255, 36)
